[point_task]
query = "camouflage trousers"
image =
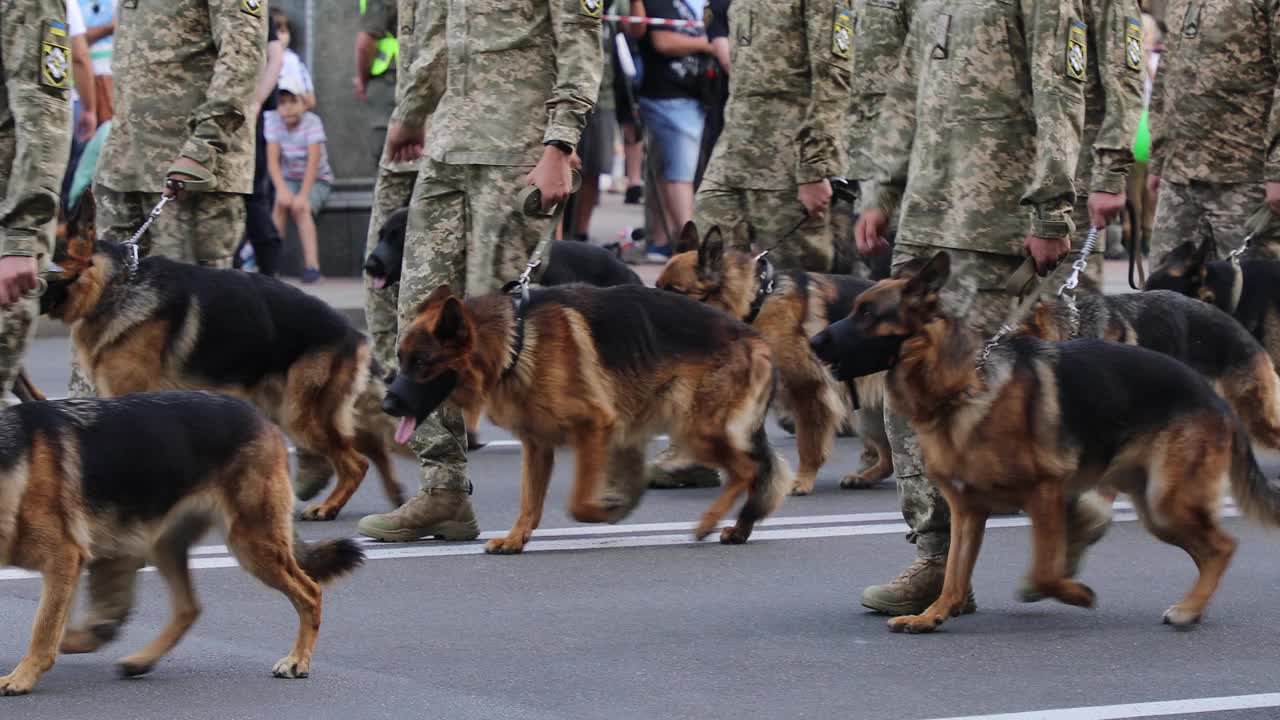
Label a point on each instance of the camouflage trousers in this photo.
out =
(465, 229)
(391, 191)
(976, 291)
(774, 218)
(202, 228)
(17, 328)
(1197, 210)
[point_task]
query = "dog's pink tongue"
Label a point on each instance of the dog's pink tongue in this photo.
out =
(405, 429)
(379, 283)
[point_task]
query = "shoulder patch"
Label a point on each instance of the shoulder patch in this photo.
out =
(251, 7)
(55, 55)
(1077, 51)
(591, 8)
(842, 33)
(1132, 44)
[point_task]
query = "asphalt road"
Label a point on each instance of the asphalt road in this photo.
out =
(638, 621)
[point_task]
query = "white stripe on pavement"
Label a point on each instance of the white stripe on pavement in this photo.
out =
(1140, 710)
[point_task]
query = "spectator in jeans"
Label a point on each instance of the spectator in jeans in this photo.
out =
(299, 167)
(671, 109)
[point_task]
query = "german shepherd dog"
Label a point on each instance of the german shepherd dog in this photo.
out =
(788, 308)
(1039, 422)
(1248, 291)
(602, 370)
(567, 261)
(178, 326)
(145, 476)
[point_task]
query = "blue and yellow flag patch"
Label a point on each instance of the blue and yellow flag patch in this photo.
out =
(1077, 51)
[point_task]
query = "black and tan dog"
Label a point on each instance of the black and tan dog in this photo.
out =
(173, 326)
(1248, 290)
(567, 262)
(788, 308)
(1037, 422)
(602, 370)
(145, 476)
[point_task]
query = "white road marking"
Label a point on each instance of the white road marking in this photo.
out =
(1140, 710)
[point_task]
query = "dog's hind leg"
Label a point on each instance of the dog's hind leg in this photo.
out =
(265, 553)
(169, 555)
(1047, 510)
(815, 432)
(876, 458)
(373, 446)
(535, 478)
(61, 569)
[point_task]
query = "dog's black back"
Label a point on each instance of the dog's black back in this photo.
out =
(580, 262)
(139, 454)
(250, 326)
(637, 327)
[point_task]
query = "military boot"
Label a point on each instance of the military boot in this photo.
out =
(914, 590)
(668, 471)
(1087, 521)
(436, 512)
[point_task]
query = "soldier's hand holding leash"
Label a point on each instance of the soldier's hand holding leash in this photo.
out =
(869, 232)
(404, 144)
(17, 277)
(552, 175)
(1104, 207)
(816, 197)
(1046, 251)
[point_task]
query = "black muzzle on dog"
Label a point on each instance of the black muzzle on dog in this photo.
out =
(851, 354)
(55, 294)
(412, 402)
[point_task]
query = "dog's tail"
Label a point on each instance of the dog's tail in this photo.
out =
(327, 560)
(1257, 497)
(774, 477)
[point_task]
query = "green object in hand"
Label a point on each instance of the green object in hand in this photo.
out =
(1142, 142)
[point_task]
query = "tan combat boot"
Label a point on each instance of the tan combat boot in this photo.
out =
(1087, 521)
(914, 590)
(436, 512)
(668, 471)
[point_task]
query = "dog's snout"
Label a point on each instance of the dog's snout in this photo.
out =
(393, 405)
(375, 266)
(820, 344)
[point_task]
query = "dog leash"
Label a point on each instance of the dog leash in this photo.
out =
(1068, 288)
(1032, 296)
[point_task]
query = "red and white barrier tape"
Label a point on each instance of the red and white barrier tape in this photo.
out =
(643, 20)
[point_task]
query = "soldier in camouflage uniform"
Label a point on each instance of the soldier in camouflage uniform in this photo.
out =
(185, 73)
(979, 136)
(1214, 126)
(507, 85)
(391, 191)
(1113, 105)
(35, 140)
(782, 140)
(880, 28)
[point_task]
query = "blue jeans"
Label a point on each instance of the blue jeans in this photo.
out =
(674, 127)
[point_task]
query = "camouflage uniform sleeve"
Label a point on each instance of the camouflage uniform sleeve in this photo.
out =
(821, 153)
(424, 81)
(1271, 172)
(894, 133)
(1119, 23)
(1057, 102)
(240, 35)
(575, 29)
(42, 125)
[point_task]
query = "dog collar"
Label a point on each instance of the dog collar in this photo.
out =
(764, 274)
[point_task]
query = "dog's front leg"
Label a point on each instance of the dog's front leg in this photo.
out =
(968, 523)
(538, 460)
(1047, 509)
(60, 573)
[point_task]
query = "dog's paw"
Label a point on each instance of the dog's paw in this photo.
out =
(704, 528)
(914, 624)
(16, 683)
(733, 536)
(1077, 594)
(292, 668)
(802, 488)
(319, 513)
(858, 481)
(134, 667)
(1180, 617)
(504, 546)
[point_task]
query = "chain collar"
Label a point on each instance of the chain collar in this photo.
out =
(764, 278)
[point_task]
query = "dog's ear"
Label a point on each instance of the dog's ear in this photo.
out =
(930, 279)
(688, 241)
(909, 269)
(433, 297)
(451, 325)
(711, 255)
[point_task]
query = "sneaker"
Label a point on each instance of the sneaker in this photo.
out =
(634, 196)
(310, 275)
(438, 512)
(658, 255)
(914, 590)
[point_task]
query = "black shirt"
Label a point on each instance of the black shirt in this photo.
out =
(270, 102)
(667, 77)
(718, 11)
